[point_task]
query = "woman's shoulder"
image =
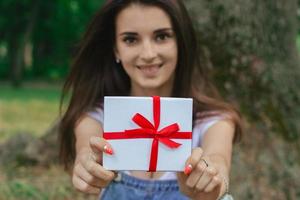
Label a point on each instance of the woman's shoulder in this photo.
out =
(202, 123)
(206, 119)
(86, 126)
(96, 114)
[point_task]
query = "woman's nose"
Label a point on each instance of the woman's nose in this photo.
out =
(148, 51)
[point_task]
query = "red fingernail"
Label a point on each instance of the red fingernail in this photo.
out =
(188, 169)
(108, 150)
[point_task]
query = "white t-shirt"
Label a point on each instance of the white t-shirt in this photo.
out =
(198, 132)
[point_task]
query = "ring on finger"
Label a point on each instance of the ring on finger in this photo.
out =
(204, 161)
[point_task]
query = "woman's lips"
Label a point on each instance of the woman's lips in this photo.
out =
(149, 70)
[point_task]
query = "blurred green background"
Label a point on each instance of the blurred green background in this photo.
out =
(251, 48)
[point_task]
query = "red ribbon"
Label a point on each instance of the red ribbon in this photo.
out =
(148, 130)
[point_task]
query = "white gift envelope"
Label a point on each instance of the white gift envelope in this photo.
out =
(147, 133)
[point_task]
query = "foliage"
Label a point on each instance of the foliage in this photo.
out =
(56, 26)
(59, 27)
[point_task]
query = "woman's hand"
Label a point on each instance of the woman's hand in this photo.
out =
(88, 174)
(200, 180)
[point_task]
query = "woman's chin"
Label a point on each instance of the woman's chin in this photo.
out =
(148, 86)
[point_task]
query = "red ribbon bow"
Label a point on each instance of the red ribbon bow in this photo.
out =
(148, 130)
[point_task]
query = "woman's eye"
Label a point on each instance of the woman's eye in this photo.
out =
(162, 37)
(129, 40)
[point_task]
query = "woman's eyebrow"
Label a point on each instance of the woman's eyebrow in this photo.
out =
(163, 30)
(156, 31)
(128, 33)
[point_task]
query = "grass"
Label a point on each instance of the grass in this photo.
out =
(38, 183)
(30, 109)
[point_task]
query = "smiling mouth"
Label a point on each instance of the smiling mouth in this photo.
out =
(149, 66)
(149, 70)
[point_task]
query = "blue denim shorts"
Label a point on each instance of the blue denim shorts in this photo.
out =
(126, 187)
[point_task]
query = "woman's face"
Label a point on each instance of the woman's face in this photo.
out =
(146, 46)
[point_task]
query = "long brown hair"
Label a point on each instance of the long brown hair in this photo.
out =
(95, 74)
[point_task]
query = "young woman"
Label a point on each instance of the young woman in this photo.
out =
(145, 48)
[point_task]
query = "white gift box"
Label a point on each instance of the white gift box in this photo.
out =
(133, 151)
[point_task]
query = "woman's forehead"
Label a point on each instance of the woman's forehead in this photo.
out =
(142, 17)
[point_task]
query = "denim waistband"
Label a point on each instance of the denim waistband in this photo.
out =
(147, 185)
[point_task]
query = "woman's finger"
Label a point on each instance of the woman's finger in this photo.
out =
(196, 174)
(214, 182)
(193, 160)
(82, 186)
(206, 178)
(95, 169)
(100, 145)
(81, 172)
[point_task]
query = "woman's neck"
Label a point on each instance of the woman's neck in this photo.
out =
(163, 91)
(150, 92)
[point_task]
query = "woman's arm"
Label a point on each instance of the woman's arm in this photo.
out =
(207, 182)
(88, 174)
(86, 128)
(217, 145)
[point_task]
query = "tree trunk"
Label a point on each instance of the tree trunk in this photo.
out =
(16, 46)
(16, 50)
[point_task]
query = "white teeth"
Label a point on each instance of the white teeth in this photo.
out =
(149, 70)
(150, 66)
